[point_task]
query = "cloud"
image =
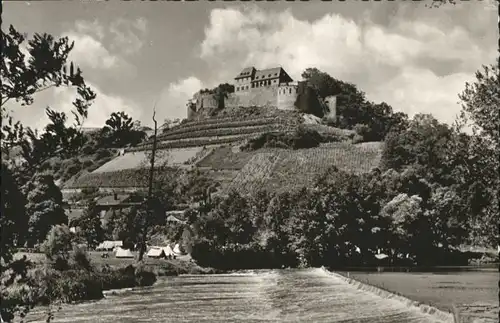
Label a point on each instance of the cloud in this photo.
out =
(417, 90)
(93, 28)
(90, 51)
(128, 36)
(61, 98)
(413, 66)
(173, 99)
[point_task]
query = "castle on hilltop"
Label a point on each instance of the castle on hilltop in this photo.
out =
(250, 78)
(271, 87)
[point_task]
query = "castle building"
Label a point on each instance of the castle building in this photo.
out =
(271, 87)
(250, 78)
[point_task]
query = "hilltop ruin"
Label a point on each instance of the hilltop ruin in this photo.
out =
(271, 87)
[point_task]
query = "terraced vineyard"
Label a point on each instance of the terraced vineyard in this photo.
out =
(256, 172)
(217, 124)
(294, 169)
(218, 131)
(225, 158)
(212, 146)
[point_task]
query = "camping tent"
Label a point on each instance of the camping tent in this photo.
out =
(109, 245)
(156, 253)
(177, 249)
(168, 251)
(123, 253)
(160, 252)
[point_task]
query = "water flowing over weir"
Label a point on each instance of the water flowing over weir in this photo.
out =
(310, 295)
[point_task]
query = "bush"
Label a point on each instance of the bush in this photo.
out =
(144, 277)
(88, 163)
(300, 139)
(79, 259)
(57, 245)
(77, 285)
(88, 149)
(103, 153)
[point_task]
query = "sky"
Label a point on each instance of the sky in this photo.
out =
(133, 54)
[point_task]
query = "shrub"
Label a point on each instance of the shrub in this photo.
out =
(103, 153)
(88, 149)
(144, 277)
(79, 258)
(88, 163)
(300, 139)
(77, 285)
(57, 245)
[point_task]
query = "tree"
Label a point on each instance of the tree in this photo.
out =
(90, 225)
(45, 207)
(478, 154)
(423, 143)
(13, 219)
(481, 103)
(120, 130)
(58, 243)
(221, 93)
(23, 75)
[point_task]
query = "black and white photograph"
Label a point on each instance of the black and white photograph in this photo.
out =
(200, 161)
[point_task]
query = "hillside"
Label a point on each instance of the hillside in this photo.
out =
(212, 145)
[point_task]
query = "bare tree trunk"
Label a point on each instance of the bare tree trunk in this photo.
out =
(148, 210)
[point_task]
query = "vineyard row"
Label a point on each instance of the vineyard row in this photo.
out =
(192, 143)
(222, 132)
(214, 124)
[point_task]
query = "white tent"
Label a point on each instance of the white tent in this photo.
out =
(159, 252)
(123, 253)
(156, 253)
(168, 251)
(109, 245)
(177, 249)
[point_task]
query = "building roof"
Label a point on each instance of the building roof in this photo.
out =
(110, 199)
(74, 214)
(246, 72)
(269, 73)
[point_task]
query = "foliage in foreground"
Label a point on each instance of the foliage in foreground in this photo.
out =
(67, 276)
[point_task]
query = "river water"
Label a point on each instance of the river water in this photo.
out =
(310, 295)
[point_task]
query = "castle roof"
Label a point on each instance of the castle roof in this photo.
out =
(272, 73)
(246, 72)
(268, 73)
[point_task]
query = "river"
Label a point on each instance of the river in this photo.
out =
(310, 295)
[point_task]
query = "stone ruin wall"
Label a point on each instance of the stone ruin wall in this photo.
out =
(282, 97)
(287, 96)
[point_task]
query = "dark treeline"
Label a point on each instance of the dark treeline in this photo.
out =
(436, 189)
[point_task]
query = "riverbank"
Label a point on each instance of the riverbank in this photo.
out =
(473, 293)
(161, 267)
(89, 279)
